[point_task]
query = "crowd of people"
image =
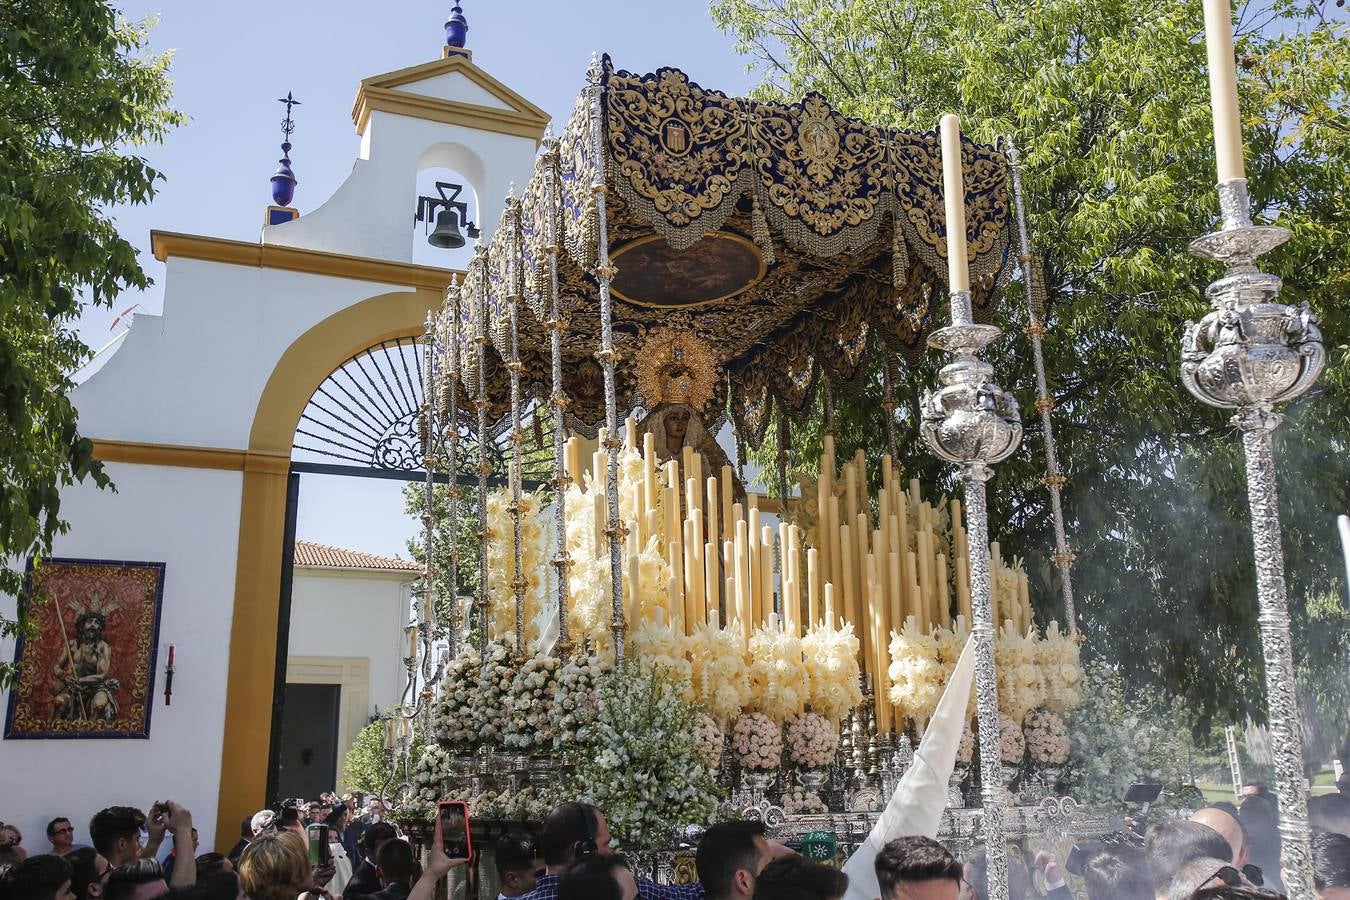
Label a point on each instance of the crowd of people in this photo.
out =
(1222, 852)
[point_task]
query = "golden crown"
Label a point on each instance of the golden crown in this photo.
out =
(676, 367)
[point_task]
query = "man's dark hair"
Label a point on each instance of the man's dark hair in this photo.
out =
(1236, 892)
(218, 886)
(1171, 844)
(209, 863)
(725, 849)
(976, 874)
(592, 878)
(515, 851)
(375, 835)
(35, 878)
(1117, 873)
(51, 826)
(396, 863)
(84, 870)
(112, 823)
(910, 859)
(1330, 860)
(289, 817)
(334, 818)
(246, 828)
(565, 827)
(795, 878)
(123, 880)
(1330, 812)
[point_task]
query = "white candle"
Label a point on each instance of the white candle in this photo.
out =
(954, 197)
(1223, 97)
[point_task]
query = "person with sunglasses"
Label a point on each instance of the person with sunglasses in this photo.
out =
(1214, 878)
(519, 864)
(61, 834)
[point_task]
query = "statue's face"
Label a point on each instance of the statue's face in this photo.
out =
(92, 631)
(677, 423)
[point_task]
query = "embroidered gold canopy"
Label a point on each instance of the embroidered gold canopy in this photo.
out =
(790, 240)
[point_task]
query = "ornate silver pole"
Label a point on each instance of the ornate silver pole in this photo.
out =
(557, 399)
(515, 290)
(1248, 354)
(479, 266)
(1034, 283)
(452, 490)
(604, 273)
(972, 422)
(888, 402)
(427, 433)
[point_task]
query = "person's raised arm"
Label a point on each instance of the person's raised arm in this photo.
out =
(438, 866)
(179, 823)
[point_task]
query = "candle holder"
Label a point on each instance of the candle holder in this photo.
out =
(1248, 354)
(974, 423)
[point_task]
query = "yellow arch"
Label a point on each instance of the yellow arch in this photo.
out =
(262, 518)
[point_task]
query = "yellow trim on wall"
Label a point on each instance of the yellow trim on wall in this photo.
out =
(450, 112)
(148, 454)
(462, 63)
(166, 244)
(262, 518)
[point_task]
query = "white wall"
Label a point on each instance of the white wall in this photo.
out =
(189, 520)
(350, 613)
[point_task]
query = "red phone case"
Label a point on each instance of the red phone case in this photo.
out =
(463, 808)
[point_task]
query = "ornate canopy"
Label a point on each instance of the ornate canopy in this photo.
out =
(788, 241)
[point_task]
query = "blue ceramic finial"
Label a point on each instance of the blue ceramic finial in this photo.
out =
(456, 28)
(283, 179)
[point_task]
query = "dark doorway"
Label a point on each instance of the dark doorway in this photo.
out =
(307, 759)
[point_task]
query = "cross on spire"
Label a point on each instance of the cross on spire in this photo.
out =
(288, 124)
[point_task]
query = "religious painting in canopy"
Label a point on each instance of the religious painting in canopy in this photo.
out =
(90, 670)
(791, 245)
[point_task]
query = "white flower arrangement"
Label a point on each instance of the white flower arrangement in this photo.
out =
(709, 739)
(532, 694)
(1020, 686)
(721, 676)
(916, 673)
(575, 701)
(778, 676)
(831, 658)
(492, 704)
(501, 564)
(1047, 738)
(658, 647)
(811, 740)
(757, 742)
(455, 719)
(642, 764)
(1057, 656)
(1011, 745)
(798, 801)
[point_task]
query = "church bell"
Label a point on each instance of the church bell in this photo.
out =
(446, 234)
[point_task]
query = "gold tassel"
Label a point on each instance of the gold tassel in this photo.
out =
(759, 229)
(899, 256)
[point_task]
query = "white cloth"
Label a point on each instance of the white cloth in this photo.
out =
(342, 868)
(919, 800)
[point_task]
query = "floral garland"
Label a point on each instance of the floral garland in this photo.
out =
(778, 675)
(641, 764)
(1011, 745)
(455, 719)
(532, 695)
(757, 742)
(492, 705)
(721, 677)
(575, 702)
(811, 740)
(831, 659)
(499, 548)
(1047, 738)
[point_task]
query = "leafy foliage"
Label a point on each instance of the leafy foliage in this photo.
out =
(1107, 100)
(365, 768)
(78, 92)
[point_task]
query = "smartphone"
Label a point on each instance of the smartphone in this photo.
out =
(454, 819)
(1143, 792)
(319, 852)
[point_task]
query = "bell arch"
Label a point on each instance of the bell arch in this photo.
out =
(262, 518)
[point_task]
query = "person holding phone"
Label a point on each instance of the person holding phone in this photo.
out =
(438, 866)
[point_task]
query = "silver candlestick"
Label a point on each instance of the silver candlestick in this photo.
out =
(1248, 354)
(973, 422)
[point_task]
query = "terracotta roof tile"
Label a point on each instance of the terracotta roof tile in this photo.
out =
(308, 553)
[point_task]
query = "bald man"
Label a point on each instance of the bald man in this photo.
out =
(1226, 824)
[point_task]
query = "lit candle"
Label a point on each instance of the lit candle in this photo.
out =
(954, 198)
(1223, 96)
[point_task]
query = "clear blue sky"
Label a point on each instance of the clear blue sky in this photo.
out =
(231, 62)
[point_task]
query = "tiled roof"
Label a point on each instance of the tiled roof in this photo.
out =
(308, 553)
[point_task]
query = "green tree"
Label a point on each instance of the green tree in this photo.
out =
(80, 92)
(465, 538)
(1108, 102)
(366, 768)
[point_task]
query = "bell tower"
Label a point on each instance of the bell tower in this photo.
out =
(449, 114)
